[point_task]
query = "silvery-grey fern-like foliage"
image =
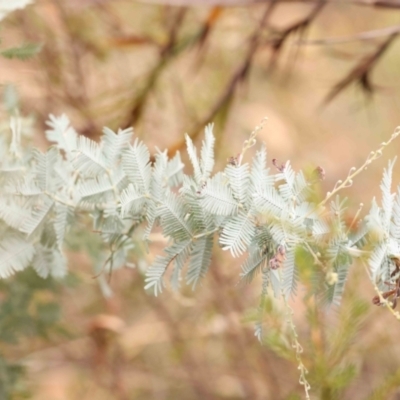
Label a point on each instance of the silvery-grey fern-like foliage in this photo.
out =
(384, 230)
(246, 209)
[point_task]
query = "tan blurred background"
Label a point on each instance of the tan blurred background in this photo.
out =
(169, 70)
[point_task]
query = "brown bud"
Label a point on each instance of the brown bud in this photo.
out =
(376, 300)
(319, 173)
(234, 160)
(280, 168)
(274, 263)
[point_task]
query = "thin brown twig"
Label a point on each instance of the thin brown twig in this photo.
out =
(392, 4)
(363, 36)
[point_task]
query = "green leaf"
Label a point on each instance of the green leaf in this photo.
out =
(239, 181)
(290, 273)
(23, 52)
(192, 152)
(207, 154)
(237, 234)
(200, 260)
(136, 164)
(172, 217)
(15, 255)
(177, 253)
(253, 264)
(217, 196)
(387, 196)
(49, 261)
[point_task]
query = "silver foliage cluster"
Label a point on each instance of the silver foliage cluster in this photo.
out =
(245, 209)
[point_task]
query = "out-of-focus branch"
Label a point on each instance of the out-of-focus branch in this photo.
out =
(173, 32)
(361, 72)
(77, 94)
(167, 52)
(241, 3)
(214, 14)
(238, 76)
(300, 26)
(243, 70)
(170, 51)
(364, 36)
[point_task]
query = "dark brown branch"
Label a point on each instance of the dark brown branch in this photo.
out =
(173, 32)
(361, 72)
(167, 52)
(237, 77)
(214, 14)
(300, 27)
(170, 51)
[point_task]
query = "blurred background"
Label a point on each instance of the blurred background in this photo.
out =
(326, 74)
